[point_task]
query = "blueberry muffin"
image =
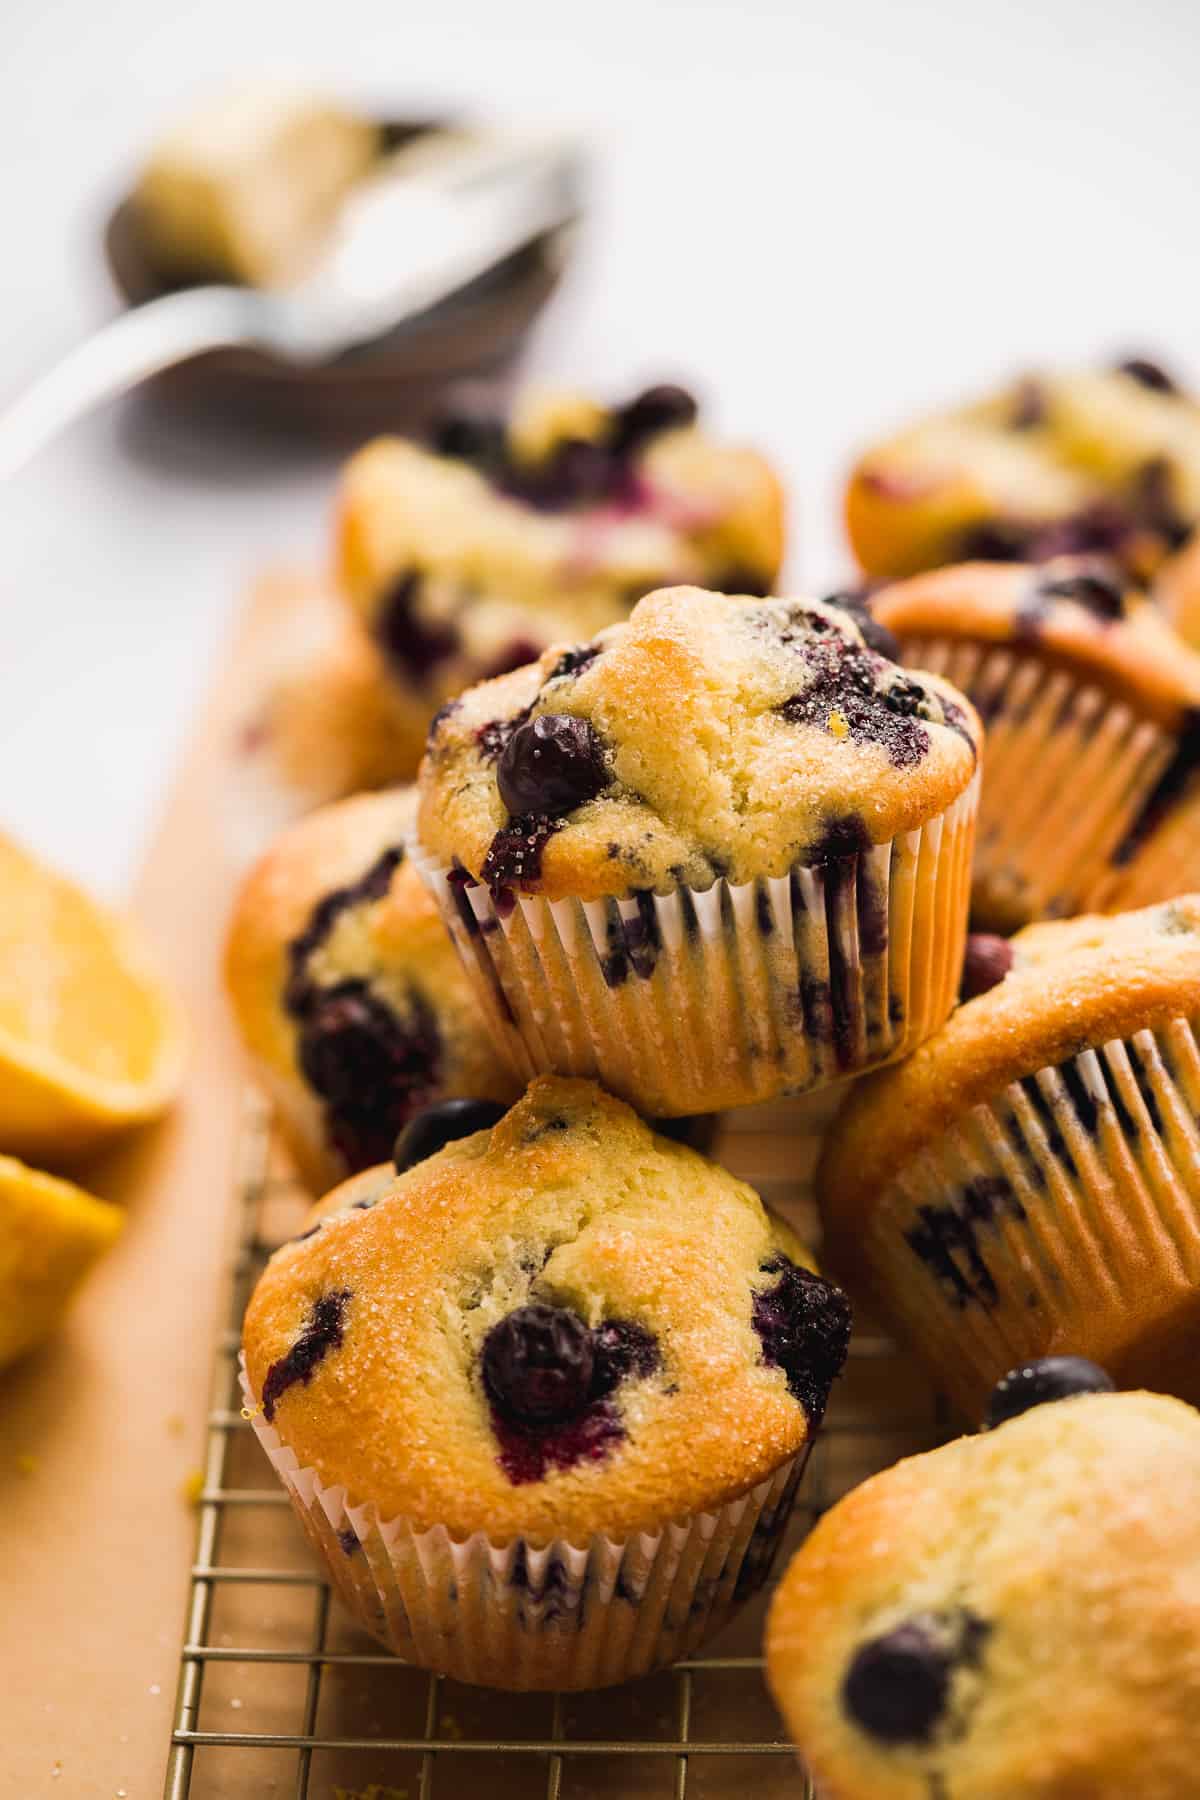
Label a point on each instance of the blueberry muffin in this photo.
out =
(347, 992)
(1053, 464)
(469, 557)
(1028, 1183)
(715, 855)
(543, 1399)
(320, 720)
(1091, 797)
(1014, 1614)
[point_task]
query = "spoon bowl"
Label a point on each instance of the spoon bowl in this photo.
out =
(396, 380)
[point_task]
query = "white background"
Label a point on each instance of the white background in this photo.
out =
(825, 217)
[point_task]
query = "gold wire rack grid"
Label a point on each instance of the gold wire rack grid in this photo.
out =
(281, 1695)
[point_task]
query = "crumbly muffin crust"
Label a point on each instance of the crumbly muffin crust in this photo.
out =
(713, 735)
(333, 929)
(1053, 1568)
(1073, 984)
(569, 1202)
(1098, 461)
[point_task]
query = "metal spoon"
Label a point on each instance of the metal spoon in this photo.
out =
(398, 247)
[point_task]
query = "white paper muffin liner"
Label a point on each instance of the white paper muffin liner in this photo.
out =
(1068, 770)
(1061, 1217)
(558, 1615)
(701, 999)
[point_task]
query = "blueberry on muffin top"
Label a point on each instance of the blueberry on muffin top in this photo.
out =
(559, 1325)
(712, 736)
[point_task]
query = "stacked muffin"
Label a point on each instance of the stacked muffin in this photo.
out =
(469, 554)
(542, 1387)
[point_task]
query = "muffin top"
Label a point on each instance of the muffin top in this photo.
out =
(559, 1326)
(560, 516)
(1012, 1614)
(1073, 612)
(712, 736)
(1072, 984)
(341, 974)
(1094, 460)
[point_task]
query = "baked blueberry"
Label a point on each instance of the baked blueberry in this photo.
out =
(843, 696)
(621, 1349)
(803, 1322)
(473, 438)
(1036, 1383)
(1148, 374)
(1100, 594)
(875, 635)
(551, 765)
(572, 661)
(369, 1066)
(514, 858)
(662, 408)
(344, 984)
(436, 1126)
(322, 1334)
(898, 1685)
(537, 1365)
(986, 961)
(413, 645)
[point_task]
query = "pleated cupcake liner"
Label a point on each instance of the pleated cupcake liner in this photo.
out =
(520, 1615)
(1069, 771)
(1061, 1217)
(726, 996)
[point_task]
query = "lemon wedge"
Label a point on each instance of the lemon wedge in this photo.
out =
(91, 1040)
(51, 1232)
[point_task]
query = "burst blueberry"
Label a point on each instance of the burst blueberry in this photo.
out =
(370, 1067)
(803, 1323)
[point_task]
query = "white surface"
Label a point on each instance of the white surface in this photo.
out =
(824, 216)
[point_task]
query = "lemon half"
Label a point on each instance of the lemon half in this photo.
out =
(51, 1232)
(91, 1040)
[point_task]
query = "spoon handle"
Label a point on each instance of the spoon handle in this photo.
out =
(118, 356)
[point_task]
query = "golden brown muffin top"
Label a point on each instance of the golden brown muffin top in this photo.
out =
(1104, 459)
(713, 735)
(390, 1345)
(1074, 984)
(1075, 612)
(1039, 1587)
(569, 509)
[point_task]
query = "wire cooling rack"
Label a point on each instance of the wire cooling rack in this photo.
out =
(281, 1695)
